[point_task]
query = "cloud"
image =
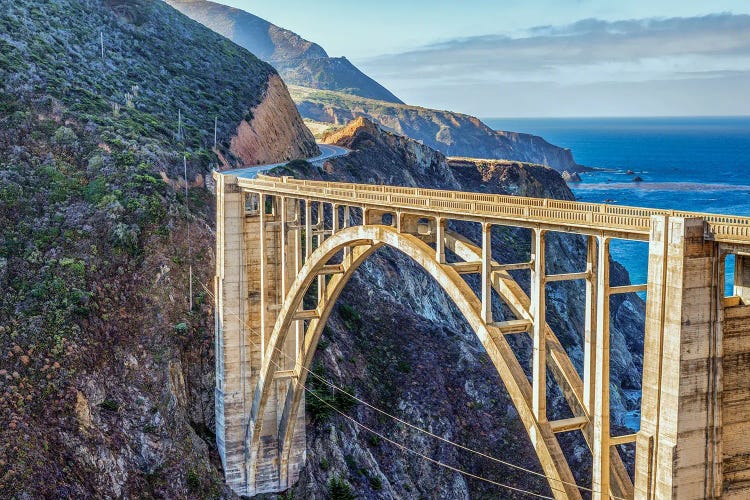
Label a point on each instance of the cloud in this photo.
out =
(585, 52)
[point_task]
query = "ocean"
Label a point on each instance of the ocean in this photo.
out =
(696, 164)
(700, 164)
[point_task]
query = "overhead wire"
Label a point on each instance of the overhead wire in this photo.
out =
(404, 422)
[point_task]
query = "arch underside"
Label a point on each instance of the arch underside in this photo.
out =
(357, 244)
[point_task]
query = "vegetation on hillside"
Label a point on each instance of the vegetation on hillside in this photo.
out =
(105, 371)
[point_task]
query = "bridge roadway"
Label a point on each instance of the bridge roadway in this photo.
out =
(327, 152)
(615, 221)
(280, 239)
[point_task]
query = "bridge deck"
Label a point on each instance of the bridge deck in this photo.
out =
(616, 221)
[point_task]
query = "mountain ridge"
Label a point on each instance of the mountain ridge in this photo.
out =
(452, 133)
(298, 61)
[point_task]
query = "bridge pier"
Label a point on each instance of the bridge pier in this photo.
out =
(679, 444)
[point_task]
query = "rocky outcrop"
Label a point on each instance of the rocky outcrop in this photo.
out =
(396, 341)
(453, 134)
(571, 177)
(272, 131)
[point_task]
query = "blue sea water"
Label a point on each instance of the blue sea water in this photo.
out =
(700, 164)
(696, 164)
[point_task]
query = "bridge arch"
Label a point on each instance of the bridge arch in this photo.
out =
(358, 243)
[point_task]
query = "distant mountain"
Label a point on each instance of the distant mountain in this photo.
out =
(299, 62)
(332, 91)
(453, 134)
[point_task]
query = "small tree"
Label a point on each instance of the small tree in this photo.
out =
(338, 489)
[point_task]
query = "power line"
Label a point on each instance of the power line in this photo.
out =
(395, 443)
(421, 455)
(399, 420)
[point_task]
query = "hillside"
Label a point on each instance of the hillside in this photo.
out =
(397, 341)
(453, 134)
(106, 373)
(298, 61)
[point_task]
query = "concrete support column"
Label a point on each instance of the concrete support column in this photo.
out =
(601, 445)
(321, 225)
(742, 278)
(678, 452)
(297, 265)
(308, 229)
(486, 271)
(538, 306)
(589, 342)
(263, 274)
(347, 223)
(440, 224)
(335, 217)
(232, 384)
(347, 217)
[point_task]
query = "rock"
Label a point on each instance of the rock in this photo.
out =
(637, 178)
(273, 131)
(177, 384)
(82, 410)
(571, 177)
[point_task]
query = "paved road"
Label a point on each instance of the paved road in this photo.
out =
(327, 152)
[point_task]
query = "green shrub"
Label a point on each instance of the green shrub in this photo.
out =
(350, 316)
(193, 480)
(109, 405)
(339, 489)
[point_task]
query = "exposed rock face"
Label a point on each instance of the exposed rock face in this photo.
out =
(453, 134)
(398, 342)
(299, 61)
(568, 177)
(275, 132)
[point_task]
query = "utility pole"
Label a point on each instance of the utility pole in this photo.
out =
(101, 41)
(190, 244)
(179, 124)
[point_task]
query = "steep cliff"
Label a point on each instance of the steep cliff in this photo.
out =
(453, 134)
(106, 372)
(272, 131)
(299, 61)
(397, 341)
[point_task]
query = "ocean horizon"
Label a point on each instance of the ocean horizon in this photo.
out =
(695, 163)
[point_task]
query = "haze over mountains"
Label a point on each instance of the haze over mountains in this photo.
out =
(299, 61)
(344, 93)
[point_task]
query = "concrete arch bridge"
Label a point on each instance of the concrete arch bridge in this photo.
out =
(277, 238)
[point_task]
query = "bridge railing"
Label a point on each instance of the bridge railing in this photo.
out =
(624, 218)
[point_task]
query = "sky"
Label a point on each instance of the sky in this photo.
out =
(539, 58)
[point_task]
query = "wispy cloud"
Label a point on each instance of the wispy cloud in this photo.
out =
(590, 52)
